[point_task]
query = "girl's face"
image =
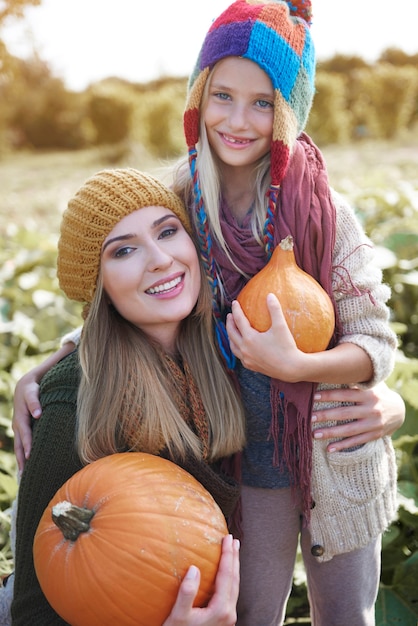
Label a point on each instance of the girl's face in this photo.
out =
(238, 113)
(150, 271)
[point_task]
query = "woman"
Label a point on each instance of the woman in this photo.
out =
(145, 372)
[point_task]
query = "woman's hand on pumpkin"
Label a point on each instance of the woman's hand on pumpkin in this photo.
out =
(376, 412)
(274, 352)
(221, 610)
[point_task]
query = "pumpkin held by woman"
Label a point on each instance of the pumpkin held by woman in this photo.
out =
(306, 306)
(118, 537)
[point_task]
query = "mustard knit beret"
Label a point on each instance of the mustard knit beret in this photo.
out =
(91, 215)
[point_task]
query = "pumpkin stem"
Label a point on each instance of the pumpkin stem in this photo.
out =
(287, 243)
(71, 519)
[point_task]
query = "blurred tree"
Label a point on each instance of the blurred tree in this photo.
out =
(383, 99)
(110, 116)
(15, 8)
(343, 64)
(398, 57)
(44, 113)
(330, 104)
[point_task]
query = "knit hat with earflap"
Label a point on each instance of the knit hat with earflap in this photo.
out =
(275, 35)
(91, 215)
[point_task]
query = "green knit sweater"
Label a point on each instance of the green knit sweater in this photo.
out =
(52, 461)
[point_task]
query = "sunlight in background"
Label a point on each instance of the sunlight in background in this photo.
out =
(87, 40)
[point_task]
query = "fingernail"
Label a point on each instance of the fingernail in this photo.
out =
(318, 435)
(36, 413)
(317, 396)
(314, 418)
(332, 449)
(192, 572)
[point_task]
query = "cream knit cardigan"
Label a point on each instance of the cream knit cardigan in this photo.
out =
(355, 492)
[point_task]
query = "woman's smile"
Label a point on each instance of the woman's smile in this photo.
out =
(150, 271)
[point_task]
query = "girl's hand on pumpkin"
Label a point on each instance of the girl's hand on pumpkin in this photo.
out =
(221, 610)
(274, 352)
(376, 412)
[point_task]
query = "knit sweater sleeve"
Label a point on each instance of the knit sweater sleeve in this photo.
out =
(52, 461)
(361, 296)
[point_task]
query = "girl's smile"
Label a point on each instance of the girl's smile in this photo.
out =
(238, 118)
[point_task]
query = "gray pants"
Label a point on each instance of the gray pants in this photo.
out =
(342, 591)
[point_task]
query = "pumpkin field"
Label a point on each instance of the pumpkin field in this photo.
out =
(380, 178)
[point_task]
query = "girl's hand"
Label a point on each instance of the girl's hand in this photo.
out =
(274, 352)
(377, 412)
(25, 405)
(221, 610)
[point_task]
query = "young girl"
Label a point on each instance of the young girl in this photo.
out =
(147, 375)
(255, 178)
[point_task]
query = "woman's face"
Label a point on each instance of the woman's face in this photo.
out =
(238, 112)
(150, 271)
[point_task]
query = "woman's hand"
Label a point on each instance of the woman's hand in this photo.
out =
(221, 610)
(377, 412)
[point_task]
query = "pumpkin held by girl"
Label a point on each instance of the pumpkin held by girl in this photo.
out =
(307, 308)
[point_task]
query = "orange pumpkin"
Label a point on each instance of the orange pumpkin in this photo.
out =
(307, 308)
(118, 537)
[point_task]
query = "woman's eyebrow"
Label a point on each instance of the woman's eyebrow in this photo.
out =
(128, 236)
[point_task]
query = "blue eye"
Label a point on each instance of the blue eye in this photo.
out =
(168, 232)
(222, 95)
(122, 252)
(264, 104)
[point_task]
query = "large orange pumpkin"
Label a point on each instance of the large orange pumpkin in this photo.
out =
(307, 308)
(118, 537)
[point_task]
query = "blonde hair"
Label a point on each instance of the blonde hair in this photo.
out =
(114, 352)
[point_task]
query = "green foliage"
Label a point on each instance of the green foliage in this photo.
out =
(398, 597)
(33, 314)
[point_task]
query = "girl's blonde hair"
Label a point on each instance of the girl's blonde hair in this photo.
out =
(115, 356)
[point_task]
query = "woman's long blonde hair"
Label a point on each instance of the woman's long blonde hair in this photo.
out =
(114, 353)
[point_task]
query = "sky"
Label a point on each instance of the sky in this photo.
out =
(84, 41)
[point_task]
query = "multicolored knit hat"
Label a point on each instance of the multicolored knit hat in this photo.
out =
(91, 215)
(275, 35)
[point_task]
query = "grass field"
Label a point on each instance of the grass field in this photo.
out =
(35, 188)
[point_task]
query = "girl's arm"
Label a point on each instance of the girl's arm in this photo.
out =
(275, 354)
(365, 353)
(26, 398)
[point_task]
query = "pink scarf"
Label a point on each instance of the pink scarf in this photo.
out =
(305, 211)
